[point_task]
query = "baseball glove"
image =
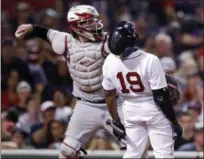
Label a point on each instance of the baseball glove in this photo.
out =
(174, 93)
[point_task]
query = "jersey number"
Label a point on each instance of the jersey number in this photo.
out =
(137, 81)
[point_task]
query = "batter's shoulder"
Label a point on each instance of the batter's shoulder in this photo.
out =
(110, 59)
(149, 56)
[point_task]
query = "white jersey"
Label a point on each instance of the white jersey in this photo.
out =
(135, 77)
(84, 61)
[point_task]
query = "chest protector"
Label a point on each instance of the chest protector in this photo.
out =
(85, 62)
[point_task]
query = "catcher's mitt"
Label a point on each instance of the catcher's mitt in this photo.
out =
(174, 93)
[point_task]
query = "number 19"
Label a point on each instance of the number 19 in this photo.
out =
(132, 82)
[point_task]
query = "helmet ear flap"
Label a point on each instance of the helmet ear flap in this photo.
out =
(112, 43)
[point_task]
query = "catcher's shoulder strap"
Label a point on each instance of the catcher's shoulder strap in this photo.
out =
(66, 52)
(103, 52)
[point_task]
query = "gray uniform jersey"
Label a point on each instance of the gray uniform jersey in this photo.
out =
(84, 61)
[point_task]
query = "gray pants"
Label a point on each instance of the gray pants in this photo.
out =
(86, 120)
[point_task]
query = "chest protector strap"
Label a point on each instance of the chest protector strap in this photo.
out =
(103, 53)
(66, 48)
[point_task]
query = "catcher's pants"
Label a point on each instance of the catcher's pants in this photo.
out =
(142, 119)
(86, 120)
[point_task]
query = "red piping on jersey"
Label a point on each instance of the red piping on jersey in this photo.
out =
(66, 48)
(102, 48)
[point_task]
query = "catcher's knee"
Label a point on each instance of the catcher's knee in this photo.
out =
(70, 147)
(61, 156)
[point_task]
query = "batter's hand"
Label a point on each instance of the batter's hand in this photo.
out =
(22, 30)
(119, 125)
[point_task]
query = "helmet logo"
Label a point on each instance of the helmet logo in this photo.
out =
(84, 15)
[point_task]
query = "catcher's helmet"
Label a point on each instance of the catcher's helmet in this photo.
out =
(83, 20)
(122, 39)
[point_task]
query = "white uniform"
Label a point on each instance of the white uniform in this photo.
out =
(85, 62)
(134, 79)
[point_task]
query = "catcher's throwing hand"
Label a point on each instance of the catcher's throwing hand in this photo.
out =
(22, 30)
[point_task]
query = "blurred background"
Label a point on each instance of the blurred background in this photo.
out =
(36, 100)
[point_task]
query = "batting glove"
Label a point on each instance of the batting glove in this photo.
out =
(119, 133)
